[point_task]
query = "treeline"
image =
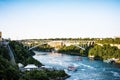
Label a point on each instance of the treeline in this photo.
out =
(44, 48)
(44, 74)
(104, 52)
(73, 50)
(61, 39)
(70, 39)
(69, 49)
(109, 40)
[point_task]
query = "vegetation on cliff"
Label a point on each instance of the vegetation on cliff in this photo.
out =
(23, 55)
(44, 74)
(104, 52)
(44, 48)
(74, 50)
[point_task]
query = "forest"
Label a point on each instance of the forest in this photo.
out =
(104, 52)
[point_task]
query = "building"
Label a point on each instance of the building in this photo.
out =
(30, 67)
(56, 44)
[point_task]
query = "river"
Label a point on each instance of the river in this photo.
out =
(85, 69)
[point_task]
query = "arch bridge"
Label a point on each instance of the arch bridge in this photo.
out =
(82, 45)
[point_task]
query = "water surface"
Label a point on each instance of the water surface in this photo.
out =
(85, 69)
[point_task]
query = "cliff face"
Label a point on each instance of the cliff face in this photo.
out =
(10, 52)
(6, 52)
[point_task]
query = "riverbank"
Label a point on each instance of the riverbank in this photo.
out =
(106, 53)
(44, 74)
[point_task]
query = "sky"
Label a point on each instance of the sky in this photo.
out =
(35, 19)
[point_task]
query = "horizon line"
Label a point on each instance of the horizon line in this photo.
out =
(65, 38)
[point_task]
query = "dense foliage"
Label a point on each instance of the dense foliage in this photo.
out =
(45, 48)
(104, 52)
(22, 55)
(7, 71)
(74, 50)
(44, 75)
(69, 49)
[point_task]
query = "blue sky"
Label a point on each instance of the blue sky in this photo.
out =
(26, 19)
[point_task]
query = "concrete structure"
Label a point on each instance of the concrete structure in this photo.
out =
(56, 44)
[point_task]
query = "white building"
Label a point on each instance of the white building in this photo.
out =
(30, 67)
